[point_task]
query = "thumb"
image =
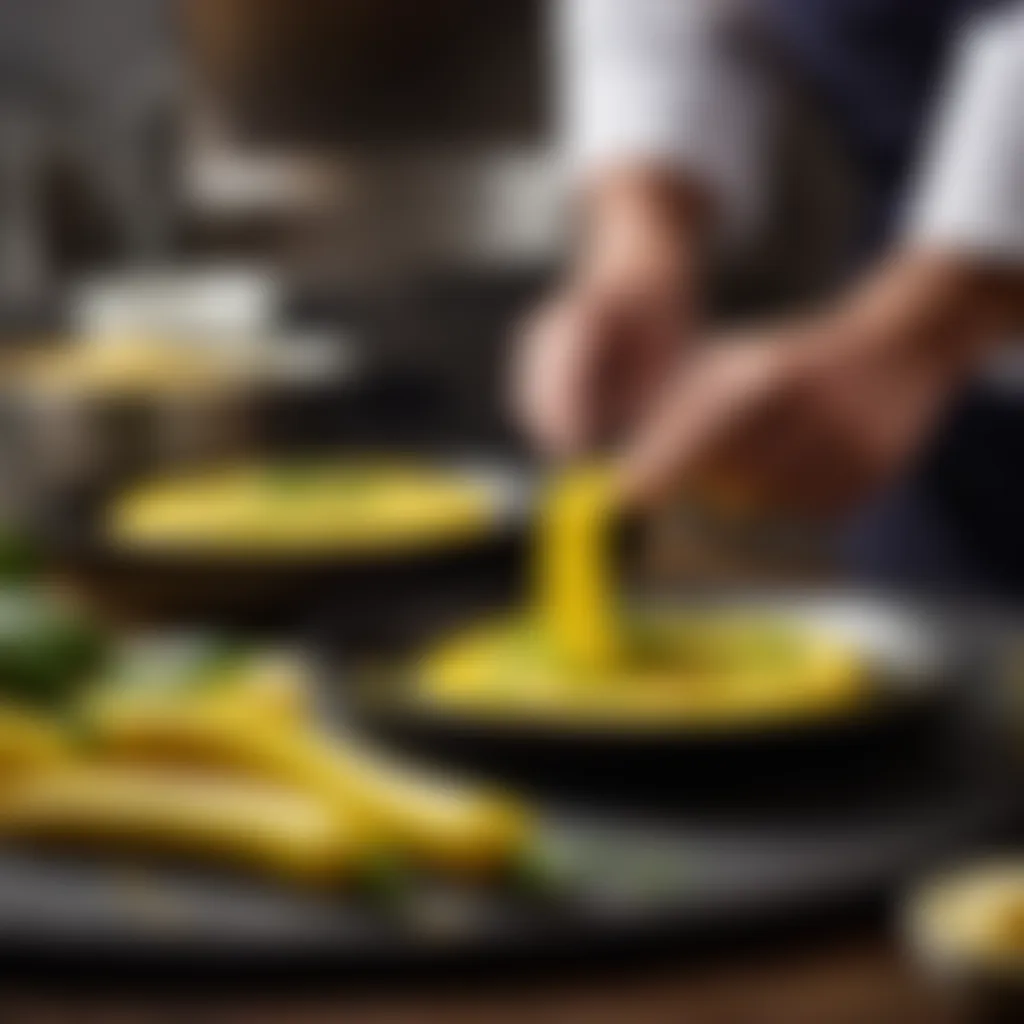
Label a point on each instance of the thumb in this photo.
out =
(678, 441)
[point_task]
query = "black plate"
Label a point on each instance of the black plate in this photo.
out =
(644, 879)
(365, 588)
(664, 875)
(916, 658)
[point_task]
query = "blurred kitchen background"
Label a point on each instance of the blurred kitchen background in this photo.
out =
(380, 174)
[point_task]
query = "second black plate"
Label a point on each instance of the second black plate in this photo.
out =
(915, 655)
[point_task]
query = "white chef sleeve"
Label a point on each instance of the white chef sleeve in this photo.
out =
(667, 82)
(969, 195)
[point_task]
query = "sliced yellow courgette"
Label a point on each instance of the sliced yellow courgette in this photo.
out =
(269, 685)
(277, 832)
(28, 741)
(450, 827)
(263, 687)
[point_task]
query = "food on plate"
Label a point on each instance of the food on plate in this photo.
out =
(209, 749)
(239, 681)
(28, 742)
(706, 669)
(304, 508)
(439, 823)
(133, 366)
(283, 833)
(975, 917)
(578, 655)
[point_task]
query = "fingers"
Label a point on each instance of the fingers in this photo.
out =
(790, 422)
(700, 433)
(552, 376)
(749, 430)
(640, 351)
(808, 471)
(800, 462)
(587, 364)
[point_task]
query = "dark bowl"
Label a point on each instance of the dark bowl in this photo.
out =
(364, 588)
(916, 662)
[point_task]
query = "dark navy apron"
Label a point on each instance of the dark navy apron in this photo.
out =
(957, 522)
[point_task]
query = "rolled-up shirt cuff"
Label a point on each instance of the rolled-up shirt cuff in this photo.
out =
(655, 83)
(969, 194)
(682, 139)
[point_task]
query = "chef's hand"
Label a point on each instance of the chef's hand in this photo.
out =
(593, 354)
(814, 417)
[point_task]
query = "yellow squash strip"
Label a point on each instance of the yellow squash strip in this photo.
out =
(232, 822)
(452, 828)
(128, 366)
(28, 741)
(289, 510)
(576, 591)
(271, 687)
(265, 688)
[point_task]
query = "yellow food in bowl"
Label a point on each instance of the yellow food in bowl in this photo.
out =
(304, 509)
(576, 656)
(128, 367)
(975, 917)
(702, 669)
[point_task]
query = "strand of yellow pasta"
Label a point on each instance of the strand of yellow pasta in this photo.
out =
(576, 596)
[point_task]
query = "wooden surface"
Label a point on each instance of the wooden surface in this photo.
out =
(860, 981)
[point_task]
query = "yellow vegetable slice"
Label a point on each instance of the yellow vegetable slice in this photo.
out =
(28, 742)
(276, 832)
(973, 918)
(296, 509)
(271, 687)
(127, 366)
(449, 827)
(576, 590)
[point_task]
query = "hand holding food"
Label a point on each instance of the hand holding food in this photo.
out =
(814, 416)
(595, 352)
